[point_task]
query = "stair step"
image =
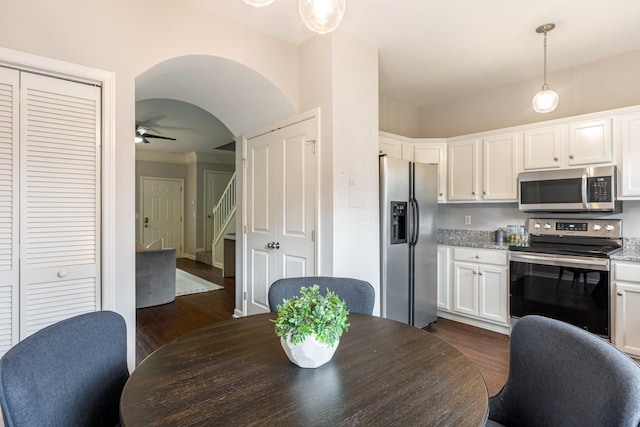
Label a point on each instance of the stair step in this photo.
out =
(204, 257)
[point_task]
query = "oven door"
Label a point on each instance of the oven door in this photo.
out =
(568, 288)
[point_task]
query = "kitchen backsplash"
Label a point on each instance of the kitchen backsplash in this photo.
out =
(491, 216)
(468, 235)
(631, 243)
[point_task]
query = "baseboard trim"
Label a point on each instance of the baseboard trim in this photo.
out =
(189, 256)
(474, 322)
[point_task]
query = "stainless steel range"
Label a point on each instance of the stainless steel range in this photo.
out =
(563, 271)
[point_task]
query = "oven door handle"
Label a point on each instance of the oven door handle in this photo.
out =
(559, 261)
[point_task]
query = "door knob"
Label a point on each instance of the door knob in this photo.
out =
(270, 245)
(276, 245)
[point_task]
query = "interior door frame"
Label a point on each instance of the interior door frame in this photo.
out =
(107, 81)
(241, 217)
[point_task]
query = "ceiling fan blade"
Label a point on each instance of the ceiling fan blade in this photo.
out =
(146, 135)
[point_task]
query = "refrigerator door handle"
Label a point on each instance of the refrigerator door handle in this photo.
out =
(416, 222)
(413, 221)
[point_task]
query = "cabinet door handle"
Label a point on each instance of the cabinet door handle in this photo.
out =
(477, 256)
(619, 293)
(480, 274)
(473, 193)
(555, 158)
(571, 156)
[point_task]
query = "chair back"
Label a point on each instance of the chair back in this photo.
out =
(358, 294)
(68, 374)
(561, 375)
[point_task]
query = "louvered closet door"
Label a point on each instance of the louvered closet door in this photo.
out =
(9, 269)
(59, 203)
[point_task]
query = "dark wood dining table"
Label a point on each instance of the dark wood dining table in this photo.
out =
(235, 373)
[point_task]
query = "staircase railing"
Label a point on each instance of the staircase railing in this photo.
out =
(224, 210)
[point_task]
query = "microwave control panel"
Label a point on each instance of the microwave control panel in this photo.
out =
(600, 189)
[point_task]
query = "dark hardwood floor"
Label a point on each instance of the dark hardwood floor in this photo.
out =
(158, 325)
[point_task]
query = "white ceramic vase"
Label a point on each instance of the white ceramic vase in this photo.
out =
(310, 353)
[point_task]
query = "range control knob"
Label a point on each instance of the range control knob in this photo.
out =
(547, 226)
(536, 225)
(597, 227)
(610, 227)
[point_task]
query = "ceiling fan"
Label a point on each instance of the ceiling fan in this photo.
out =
(142, 133)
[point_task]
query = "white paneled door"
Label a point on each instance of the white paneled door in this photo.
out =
(162, 206)
(280, 209)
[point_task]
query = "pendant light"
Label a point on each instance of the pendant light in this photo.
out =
(258, 3)
(321, 16)
(546, 100)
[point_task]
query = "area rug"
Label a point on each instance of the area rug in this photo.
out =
(187, 283)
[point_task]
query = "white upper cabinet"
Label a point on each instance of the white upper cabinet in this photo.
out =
(590, 143)
(463, 162)
(628, 132)
(543, 148)
(483, 169)
(421, 150)
(390, 147)
(428, 151)
(581, 143)
(499, 172)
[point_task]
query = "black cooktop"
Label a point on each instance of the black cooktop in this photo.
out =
(596, 251)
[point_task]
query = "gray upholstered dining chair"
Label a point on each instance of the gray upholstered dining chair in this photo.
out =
(68, 374)
(358, 294)
(561, 375)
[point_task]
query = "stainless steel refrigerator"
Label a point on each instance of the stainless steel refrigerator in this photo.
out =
(408, 241)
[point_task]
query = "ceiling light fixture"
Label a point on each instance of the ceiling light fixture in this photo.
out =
(320, 16)
(258, 3)
(546, 100)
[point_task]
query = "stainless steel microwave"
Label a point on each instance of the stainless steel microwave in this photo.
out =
(569, 190)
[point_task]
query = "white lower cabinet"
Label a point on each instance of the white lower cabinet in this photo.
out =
(625, 304)
(480, 285)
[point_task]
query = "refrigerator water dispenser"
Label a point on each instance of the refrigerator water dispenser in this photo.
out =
(398, 223)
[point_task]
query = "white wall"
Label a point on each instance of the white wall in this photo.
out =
(127, 38)
(399, 118)
(597, 86)
(340, 74)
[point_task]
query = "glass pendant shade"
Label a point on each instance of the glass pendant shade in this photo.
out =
(258, 3)
(321, 16)
(545, 101)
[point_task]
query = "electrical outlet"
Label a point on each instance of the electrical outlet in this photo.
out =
(467, 219)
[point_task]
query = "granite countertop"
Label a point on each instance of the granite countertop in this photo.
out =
(630, 251)
(469, 243)
(470, 239)
(485, 240)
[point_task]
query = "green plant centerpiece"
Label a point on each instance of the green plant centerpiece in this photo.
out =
(310, 326)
